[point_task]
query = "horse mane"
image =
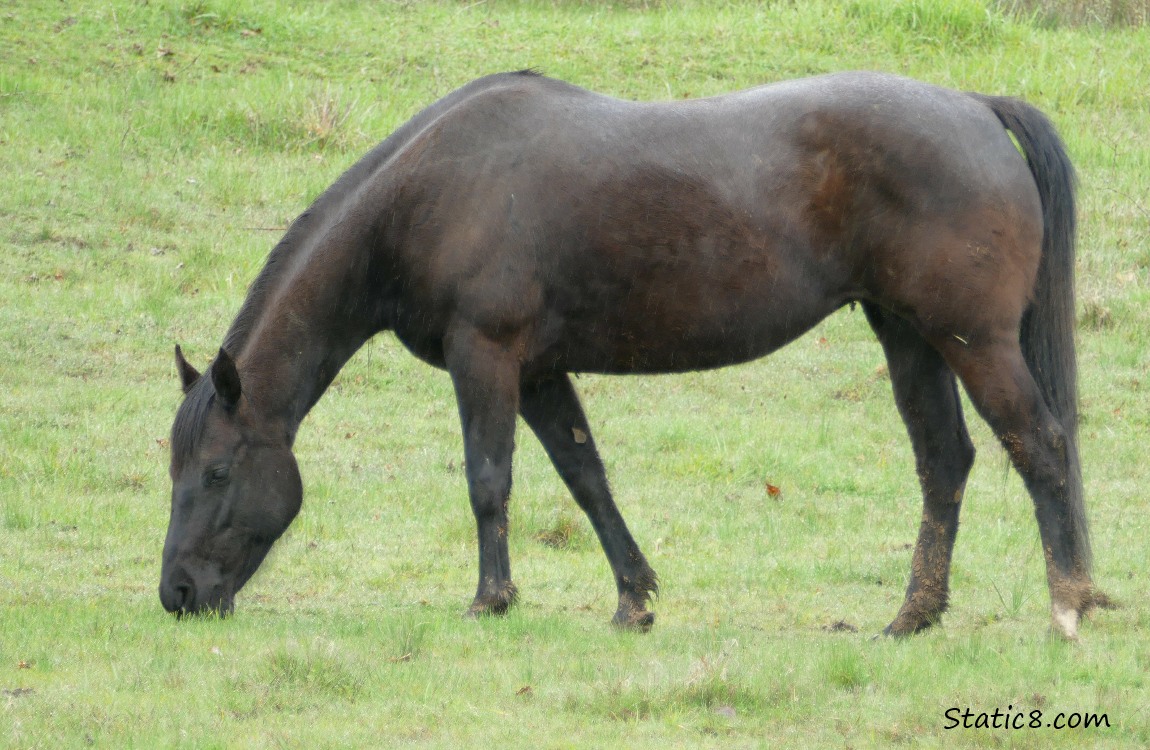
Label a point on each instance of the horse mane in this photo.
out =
(324, 210)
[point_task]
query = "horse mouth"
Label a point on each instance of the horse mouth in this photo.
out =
(222, 609)
(219, 603)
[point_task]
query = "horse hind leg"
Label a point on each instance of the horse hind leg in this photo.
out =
(927, 398)
(1002, 389)
(551, 408)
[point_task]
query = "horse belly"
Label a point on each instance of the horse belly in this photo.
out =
(632, 350)
(679, 312)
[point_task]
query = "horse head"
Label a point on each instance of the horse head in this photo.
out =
(235, 489)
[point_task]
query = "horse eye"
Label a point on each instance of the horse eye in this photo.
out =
(215, 476)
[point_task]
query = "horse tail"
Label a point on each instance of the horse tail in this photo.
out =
(1047, 332)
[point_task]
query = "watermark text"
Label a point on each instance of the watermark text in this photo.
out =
(958, 717)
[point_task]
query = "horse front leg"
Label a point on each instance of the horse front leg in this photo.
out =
(485, 375)
(551, 408)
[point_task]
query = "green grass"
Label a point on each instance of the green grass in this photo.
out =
(154, 151)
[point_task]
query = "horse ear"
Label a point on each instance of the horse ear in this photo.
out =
(188, 374)
(226, 379)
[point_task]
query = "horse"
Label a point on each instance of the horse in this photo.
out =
(522, 229)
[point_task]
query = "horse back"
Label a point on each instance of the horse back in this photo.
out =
(603, 235)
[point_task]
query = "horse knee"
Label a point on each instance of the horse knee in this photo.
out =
(490, 489)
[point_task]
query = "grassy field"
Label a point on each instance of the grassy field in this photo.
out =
(153, 152)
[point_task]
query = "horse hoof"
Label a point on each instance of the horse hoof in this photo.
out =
(492, 605)
(477, 610)
(905, 627)
(634, 621)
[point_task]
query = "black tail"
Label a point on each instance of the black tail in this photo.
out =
(1047, 334)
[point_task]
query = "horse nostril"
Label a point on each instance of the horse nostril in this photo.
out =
(178, 597)
(183, 596)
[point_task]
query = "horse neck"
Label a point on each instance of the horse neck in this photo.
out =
(317, 301)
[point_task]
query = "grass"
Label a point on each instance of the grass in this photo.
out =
(153, 154)
(1078, 12)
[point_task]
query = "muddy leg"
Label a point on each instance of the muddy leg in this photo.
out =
(551, 408)
(486, 379)
(927, 398)
(1003, 391)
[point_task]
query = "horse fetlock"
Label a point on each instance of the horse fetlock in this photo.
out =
(1071, 598)
(1073, 591)
(636, 576)
(1100, 600)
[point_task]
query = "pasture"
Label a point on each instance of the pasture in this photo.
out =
(154, 152)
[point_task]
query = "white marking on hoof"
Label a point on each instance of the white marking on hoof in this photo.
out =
(1065, 621)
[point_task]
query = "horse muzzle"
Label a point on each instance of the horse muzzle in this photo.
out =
(182, 595)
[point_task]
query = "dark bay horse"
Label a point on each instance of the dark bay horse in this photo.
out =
(521, 229)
